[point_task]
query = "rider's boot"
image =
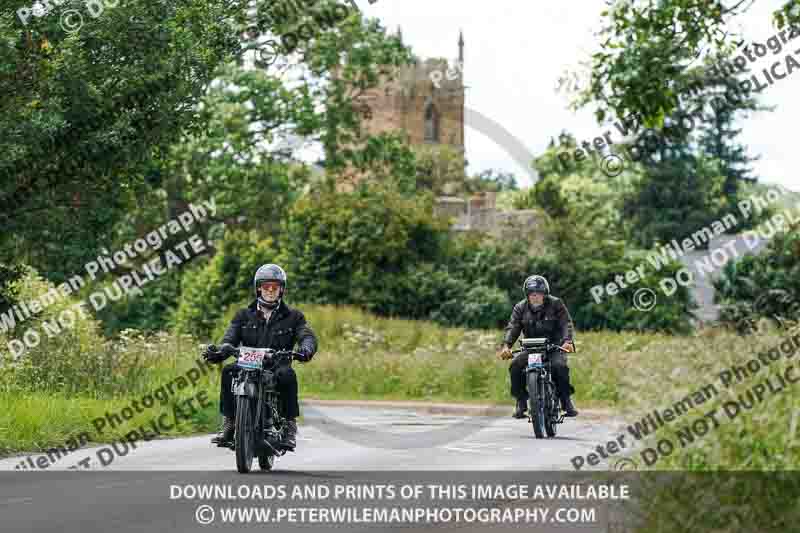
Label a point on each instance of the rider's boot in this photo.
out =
(569, 409)
(225, 436)
(290, 435)
(522, 406)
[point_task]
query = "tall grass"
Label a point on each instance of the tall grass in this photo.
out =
(53, 391)
(39, 410)
(765, 437)
(758, 449)
(369, 357)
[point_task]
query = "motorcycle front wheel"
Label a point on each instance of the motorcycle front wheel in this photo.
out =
(537, 405)
(245, 434)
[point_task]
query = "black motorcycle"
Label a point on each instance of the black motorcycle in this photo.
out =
(259, 427)
(545, 409)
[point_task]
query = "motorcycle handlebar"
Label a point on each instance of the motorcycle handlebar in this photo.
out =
(229, 350)
(293, 354)
(547, 348)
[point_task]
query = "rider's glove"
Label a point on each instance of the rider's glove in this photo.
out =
(303, 356)
(212, 355)
(505, 353)
(227, 350)
(208, 350)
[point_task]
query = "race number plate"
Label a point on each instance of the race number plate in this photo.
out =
(534, 359)
(251, 357)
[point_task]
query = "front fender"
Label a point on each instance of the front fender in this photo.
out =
(245, 388)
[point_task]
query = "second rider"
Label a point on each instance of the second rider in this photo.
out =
(540, 315)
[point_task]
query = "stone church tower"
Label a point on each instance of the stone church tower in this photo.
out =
(425, 100)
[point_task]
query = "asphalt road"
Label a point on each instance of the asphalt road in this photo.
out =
(132, 493)
(359, 438)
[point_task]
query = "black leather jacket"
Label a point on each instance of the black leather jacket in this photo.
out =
(552, 320)
(286, 327)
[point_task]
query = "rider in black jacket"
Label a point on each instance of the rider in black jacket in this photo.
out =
(267, 323)
(540, 315)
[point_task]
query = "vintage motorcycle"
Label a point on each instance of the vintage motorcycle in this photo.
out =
(259, 426)
(544, 408)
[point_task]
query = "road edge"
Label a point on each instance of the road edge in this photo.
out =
(444, 408)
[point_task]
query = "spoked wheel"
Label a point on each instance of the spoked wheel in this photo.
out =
(537, 405)
(245, 434)
(550, 409)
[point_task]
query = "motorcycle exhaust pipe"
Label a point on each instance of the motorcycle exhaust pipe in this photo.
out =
(268, 445)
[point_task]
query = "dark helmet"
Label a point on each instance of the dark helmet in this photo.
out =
(536, 284)
(269, 272)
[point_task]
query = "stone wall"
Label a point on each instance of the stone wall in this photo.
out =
(479, 213)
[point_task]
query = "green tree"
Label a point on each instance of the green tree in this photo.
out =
(580, 188)
(92, 116)
(492, 180)
(548, 164)
(339, 247)
(761, 286)
(227, 279)
(83, 109)
(234, 159)
(238, 156)
(674, 198)
(718, 139)
(649, 50)
(440, 169)
(385, 158)
(344, 63)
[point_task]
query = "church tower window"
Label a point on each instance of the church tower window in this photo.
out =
(431, 122)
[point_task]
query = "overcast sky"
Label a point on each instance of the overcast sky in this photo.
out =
(516, 51)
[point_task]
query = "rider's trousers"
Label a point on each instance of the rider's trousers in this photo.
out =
(286, 385)
(560, 375)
